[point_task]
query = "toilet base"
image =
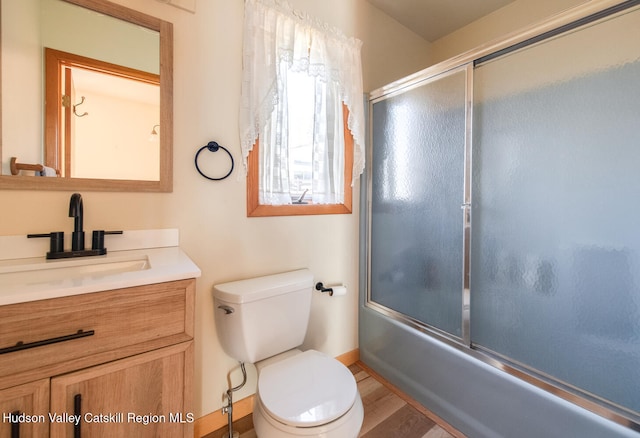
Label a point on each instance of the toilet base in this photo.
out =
(347, 426)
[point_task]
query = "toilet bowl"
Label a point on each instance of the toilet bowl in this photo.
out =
(263, 321)
(308, 394)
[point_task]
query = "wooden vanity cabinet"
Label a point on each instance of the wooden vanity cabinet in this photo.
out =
(132, 376)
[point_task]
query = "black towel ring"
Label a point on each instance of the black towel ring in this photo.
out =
(213, 147)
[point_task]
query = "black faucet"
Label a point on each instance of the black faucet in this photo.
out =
(57, 250)
(75, 211)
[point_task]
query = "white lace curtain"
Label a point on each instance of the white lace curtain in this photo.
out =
(279, 41)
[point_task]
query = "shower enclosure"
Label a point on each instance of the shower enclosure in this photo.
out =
(502, 260)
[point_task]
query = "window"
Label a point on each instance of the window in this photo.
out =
(302, 115)
(302, 202)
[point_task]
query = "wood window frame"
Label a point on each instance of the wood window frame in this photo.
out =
(255, 209)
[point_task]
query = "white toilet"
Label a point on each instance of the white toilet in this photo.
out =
(300, 394)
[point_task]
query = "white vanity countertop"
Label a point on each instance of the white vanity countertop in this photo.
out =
(31, 279)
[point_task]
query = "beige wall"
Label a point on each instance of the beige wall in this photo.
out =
(211, 217)
(508, 19)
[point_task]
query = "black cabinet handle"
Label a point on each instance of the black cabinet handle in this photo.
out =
(15, 425)
(77, 411)
(22, 346)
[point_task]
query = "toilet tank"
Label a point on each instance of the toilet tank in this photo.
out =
(260, 317)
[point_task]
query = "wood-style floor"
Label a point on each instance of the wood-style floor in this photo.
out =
(387, 413)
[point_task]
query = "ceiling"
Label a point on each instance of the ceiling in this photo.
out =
(433, 19)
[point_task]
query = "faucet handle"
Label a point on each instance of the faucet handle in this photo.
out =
(97, 238)
(56, 244)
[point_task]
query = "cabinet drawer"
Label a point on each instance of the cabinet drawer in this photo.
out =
(114, 324)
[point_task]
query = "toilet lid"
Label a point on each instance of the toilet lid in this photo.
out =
(308, 389)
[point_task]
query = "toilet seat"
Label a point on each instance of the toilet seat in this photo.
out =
(307, 390)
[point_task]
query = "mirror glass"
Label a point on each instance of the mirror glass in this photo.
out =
(86, 97)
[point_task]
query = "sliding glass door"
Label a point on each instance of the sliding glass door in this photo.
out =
(418, 163)
(503, 208)
(556, 184)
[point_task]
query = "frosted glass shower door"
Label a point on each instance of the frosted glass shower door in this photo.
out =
(416, 190)
(555, 278)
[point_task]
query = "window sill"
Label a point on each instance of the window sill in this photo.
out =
(298, 210)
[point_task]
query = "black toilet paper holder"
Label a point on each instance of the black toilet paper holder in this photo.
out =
(321, 288)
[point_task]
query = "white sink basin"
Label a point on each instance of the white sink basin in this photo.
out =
(31, 272)
(35, 278)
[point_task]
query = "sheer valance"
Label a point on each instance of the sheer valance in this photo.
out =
(276, 35)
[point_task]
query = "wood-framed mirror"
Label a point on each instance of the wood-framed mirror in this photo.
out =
(117, 39)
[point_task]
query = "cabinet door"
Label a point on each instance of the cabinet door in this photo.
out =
(148, 395)
(25, 410)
